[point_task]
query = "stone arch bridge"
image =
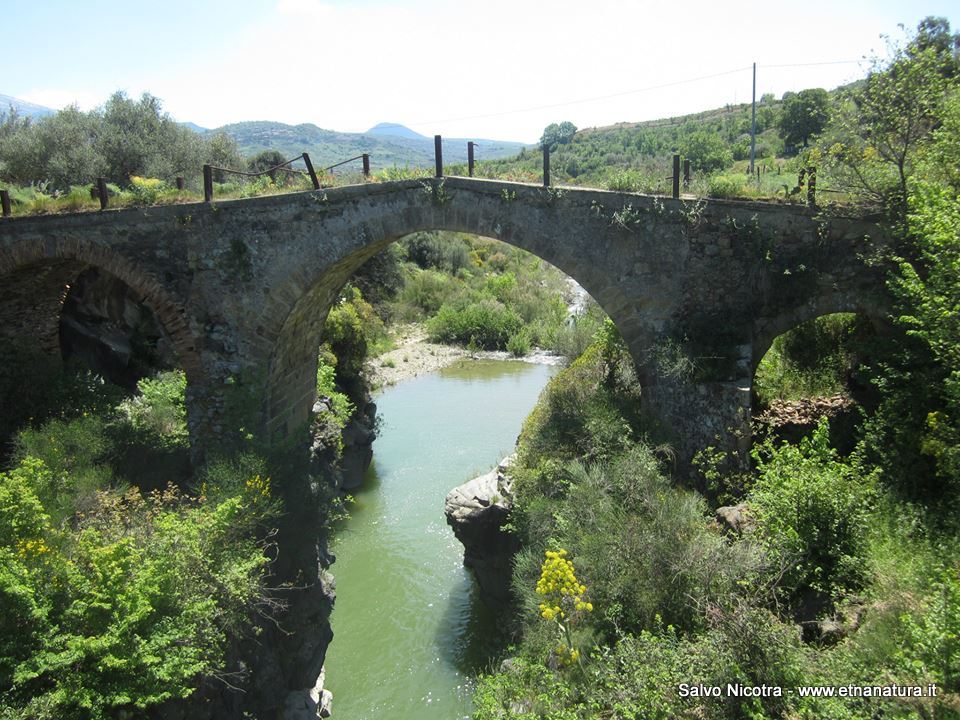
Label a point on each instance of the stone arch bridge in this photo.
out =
(698, 289)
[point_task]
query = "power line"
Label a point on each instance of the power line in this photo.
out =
(624, 93)
(810, 64)
(576, 102)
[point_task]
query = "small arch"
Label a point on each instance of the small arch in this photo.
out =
(35, 279)
(811, 374)
(766, 330)
(38, 274)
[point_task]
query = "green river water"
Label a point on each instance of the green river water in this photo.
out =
(409, 629)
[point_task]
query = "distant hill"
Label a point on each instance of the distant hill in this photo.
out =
(395, 130)
(327, 147)
(24, 108)
(196, 128)
(597, 156)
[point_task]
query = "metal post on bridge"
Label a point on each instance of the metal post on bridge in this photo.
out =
(546, 165)
(686, 174)
(438, 154)
(366, 165)
(310, 171)
(102, 192)
(207, 183)
(470, 145)
(676, 177)
(5, 202)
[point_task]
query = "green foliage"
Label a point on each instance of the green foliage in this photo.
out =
(159, 410)
(73, 454)
(36, 388)
(625, 181)
(929, 289)
(706, 151)
(122, 139)
(555, 134)
(431, 250)
(804, 114)
(519, 345)
(60, 149)
(487, 324)
(340, 406)
(813, 510)
(932, 649)
(351, 329)
(878, 128)
(812, 360)
(128, 606)
(727, 186)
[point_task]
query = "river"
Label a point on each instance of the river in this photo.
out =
(410, 632)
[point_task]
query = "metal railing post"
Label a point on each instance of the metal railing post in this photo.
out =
(676, 177)
(207, 183)
(5, 203)
(102, 192)
(313, 175)
(546, 165)
(438, 154)
(366, 165)
(470, 158)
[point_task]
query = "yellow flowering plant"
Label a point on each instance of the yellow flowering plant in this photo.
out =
(564, 601)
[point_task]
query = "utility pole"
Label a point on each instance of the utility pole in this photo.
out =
(753, 122)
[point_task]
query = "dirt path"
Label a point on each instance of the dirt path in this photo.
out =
(415, 355)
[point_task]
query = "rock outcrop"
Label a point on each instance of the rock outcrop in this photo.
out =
(477, 512)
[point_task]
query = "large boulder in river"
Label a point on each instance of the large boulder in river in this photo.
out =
(477, 512)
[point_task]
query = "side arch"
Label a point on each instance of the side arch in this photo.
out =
(34, 281)
(766, 330)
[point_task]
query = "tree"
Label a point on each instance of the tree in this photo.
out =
(138, 138)
(59, 149)
(222, 151)
(879, 129)
(804, 114)
(555, 134)
(706, 151)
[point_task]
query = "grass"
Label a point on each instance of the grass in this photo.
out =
(777, 183)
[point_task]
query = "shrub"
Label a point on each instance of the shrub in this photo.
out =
(727, 186)
(73, 454)
(132, 605)
(486, 324)
(351, 330)
(519, 344)
(159, 411)
(147, 191)
(812, 511)
(625, 181)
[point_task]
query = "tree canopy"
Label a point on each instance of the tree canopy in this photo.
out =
(558, 134)
(804, 114)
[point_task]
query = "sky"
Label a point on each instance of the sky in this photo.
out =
(499, 69)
